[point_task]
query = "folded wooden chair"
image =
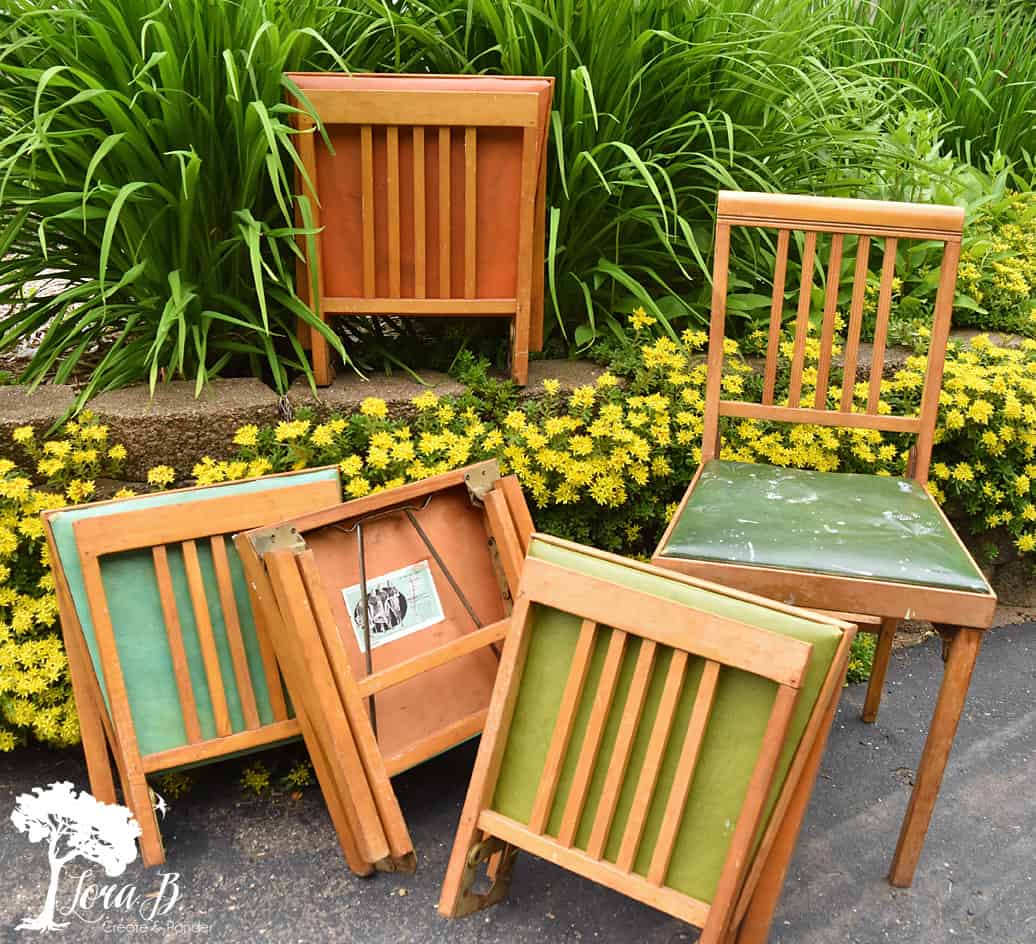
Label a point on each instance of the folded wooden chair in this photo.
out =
(386, 614)
(429, 193)
(168, 666)
(653, 733)
(856, 544)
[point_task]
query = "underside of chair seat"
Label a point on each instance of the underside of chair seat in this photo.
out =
(840, 523)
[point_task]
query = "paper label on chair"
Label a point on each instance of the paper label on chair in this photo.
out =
(399, 603)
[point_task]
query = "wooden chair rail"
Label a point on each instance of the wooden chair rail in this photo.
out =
(838, 214)
(424, 107)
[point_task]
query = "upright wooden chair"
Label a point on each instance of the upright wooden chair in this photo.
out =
(857, 544)
(168, 666)
(653, 733)
(430, 200)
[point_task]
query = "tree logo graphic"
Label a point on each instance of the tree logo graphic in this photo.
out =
(73, 825)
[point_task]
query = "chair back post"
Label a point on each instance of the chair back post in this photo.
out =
(710, 443)
(934, 371)
(869, 220)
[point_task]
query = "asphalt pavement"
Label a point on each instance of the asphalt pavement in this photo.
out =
(269, 869)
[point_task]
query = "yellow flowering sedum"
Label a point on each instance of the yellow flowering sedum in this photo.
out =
(35, 691)
(605, 465)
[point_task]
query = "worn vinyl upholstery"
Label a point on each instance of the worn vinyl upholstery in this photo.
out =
(840, 523)
(732, 742)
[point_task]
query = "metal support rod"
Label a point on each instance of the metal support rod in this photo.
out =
(366, 620)
(442, 566)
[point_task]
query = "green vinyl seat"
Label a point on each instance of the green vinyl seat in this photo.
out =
(839, 523)
(732, 744)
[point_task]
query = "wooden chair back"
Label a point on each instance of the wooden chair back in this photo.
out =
(425, 192)
(600, 751)
(158, 602)
(868, 222)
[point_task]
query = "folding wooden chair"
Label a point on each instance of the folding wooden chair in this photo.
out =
(386, 614)
(168, 667)
(856, 544)
(653, 733)
(429, 195)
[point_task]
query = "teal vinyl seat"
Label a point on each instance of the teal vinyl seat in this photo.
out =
(839, 523)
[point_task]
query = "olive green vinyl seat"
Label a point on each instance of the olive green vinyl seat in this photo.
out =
(839, 523)
(733, 740)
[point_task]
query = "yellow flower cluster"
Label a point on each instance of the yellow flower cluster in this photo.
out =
(603, 463)
(35, 693)
(998, 265)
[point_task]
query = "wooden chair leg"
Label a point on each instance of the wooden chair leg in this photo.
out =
(755, 925)
(320, 354)
(960, 658)
(879, 669)
(520, 349)
(88, 700)
(91, 727)
(138, 799)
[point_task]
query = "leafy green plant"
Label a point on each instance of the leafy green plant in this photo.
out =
(255, 779)
(657, 105)
(147, 170)
(974, 62)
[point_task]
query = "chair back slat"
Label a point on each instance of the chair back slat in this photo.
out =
(620, 757)
(678, 793)
(392, 187)
(232, 626)
(367, 208)
(647, 784)
(206, 638)
(562, 734)
(604, 696)
(798, 357)
(420, 232)
(776, 316)
(881, 324)
(174, 633)
(827, 331)
(470, 210)
(832, 220)
(852, 343)
(445, 214)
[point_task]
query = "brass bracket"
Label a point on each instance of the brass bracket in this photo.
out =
(501, 858)
(278, 538)
(479, 479)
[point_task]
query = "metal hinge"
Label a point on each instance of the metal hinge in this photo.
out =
(480, 478)
(276, 539)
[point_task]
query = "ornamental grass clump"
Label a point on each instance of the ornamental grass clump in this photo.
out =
(146, 172)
